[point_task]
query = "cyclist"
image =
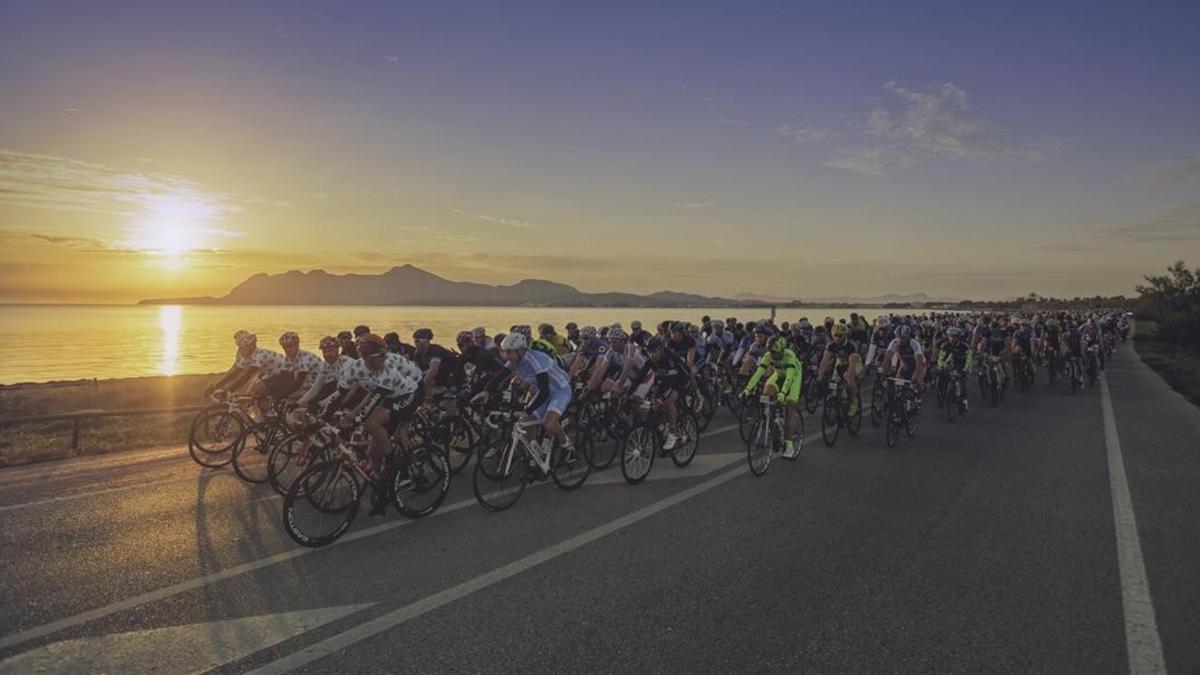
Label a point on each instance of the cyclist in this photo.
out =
(333, 375)
(558, 342)
(670, 376)
(346, 340)
(905, 357)
(274, 380)
(841, 358)
(785, 377)
(956, 358)
(552, 384)
(304, 366)
(392, 386)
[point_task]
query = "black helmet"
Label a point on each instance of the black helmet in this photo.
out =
(655, 342)
(423, 334)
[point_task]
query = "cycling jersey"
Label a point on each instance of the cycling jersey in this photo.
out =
(906, 354)
(958, 355)
(449, 364)
(268, 363)
(544, 347)
(840, 351)
(397, 378)
(332, 376)
(670, 372)
(787, 367)
(552, 382)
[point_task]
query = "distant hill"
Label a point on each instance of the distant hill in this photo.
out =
(409, 285)
(890, 299)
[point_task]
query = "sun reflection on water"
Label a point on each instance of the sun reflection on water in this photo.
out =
(170, 320)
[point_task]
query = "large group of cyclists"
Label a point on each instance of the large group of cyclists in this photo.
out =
(380, 418)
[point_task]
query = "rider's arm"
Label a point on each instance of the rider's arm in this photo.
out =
(543, 393)
(753, 381)
(317, 384)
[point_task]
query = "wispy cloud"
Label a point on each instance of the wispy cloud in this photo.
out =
(1067, 248)
(695, 205)
(731, 121)
(804, 134)
(59, 183)
(1182, 173)
(1177, 222)
(924, 124)
(511, 222)
(392, 59)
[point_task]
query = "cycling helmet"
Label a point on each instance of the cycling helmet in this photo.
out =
(635, 325)
(361, 330)
(804, 324)
(244, 338)
(953, 331)
(392, 340)
(829, 321)
(588, 331)
(422, 334)
(545, 330)
(761, 329)
(345, 335)
(289, 338)
(525, 330)
(571, 325)
(693, 329)
(479, 331)
(464, 337)
(329, 342)
(371, 345)
(839, 330)
(514, 342)
(904, 331)
(615, 333)
(655, 342)
(678, 327)
(777, 344)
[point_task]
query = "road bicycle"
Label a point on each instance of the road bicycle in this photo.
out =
(505, 467)
(217, 430)
(323, 501)
(955, 393)
(769, 434)
(835, 414)
(903, 409)
(993, 383)
(644, 441)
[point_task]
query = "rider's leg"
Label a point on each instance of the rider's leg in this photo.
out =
(375, 425)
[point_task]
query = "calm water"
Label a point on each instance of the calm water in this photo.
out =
(43, 343)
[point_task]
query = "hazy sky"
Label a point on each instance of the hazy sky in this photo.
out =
(796, 148)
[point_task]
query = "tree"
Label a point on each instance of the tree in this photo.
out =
(1173, 300)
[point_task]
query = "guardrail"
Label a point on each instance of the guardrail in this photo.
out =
(77, 417)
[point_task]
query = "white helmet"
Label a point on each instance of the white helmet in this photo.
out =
(514, 341)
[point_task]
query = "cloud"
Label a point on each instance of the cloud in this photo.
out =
(511, 222)
(695, 205)
(63, 184)
(923, 125)
(804, 134)
(1067, 248)
(1177, 222)
(1183, 173)
(731, 121)
(392, 59)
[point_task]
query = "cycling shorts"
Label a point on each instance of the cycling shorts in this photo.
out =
(559, 399)
(791, 393)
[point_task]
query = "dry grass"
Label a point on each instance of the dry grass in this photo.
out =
(41, 441)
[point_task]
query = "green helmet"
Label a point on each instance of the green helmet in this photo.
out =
(777, 344)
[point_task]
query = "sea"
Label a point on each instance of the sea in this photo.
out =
(44, 343)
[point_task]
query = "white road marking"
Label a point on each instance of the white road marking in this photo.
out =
(411, 611)
(193, 648)
(93, 493)
(238, 570)
(1142, 642)
(428, 604)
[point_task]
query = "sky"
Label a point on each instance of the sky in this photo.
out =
(799, 149)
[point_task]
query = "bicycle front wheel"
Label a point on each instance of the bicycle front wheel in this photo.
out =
(638, 453)
(570, 472)
(760, 446)
(501, 474)
(420, 489)
(253, 450)
(831, 420)
(685, 452)
(214, 435)
(321, 504)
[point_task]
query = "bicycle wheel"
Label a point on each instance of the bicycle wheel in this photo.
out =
(812, 395)
(285, 462)
(894, 423)
(760, 447)
(638, 453)
(953, 400)
(253, 449)
(213, 436)
(831, 420)
(569, 473)
(454, 437)
(321, 504)
(421, 489)
(746, 417)
(854, 422)
(995, 393)
(912, 418)
(501, 474)
(878, 401)
(685, 452)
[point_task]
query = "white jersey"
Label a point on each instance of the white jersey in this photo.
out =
(336, 372)
(397, 377)
(305, 363)
(534, 363)
(269, 363)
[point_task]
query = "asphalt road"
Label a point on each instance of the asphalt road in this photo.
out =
(987, 545)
